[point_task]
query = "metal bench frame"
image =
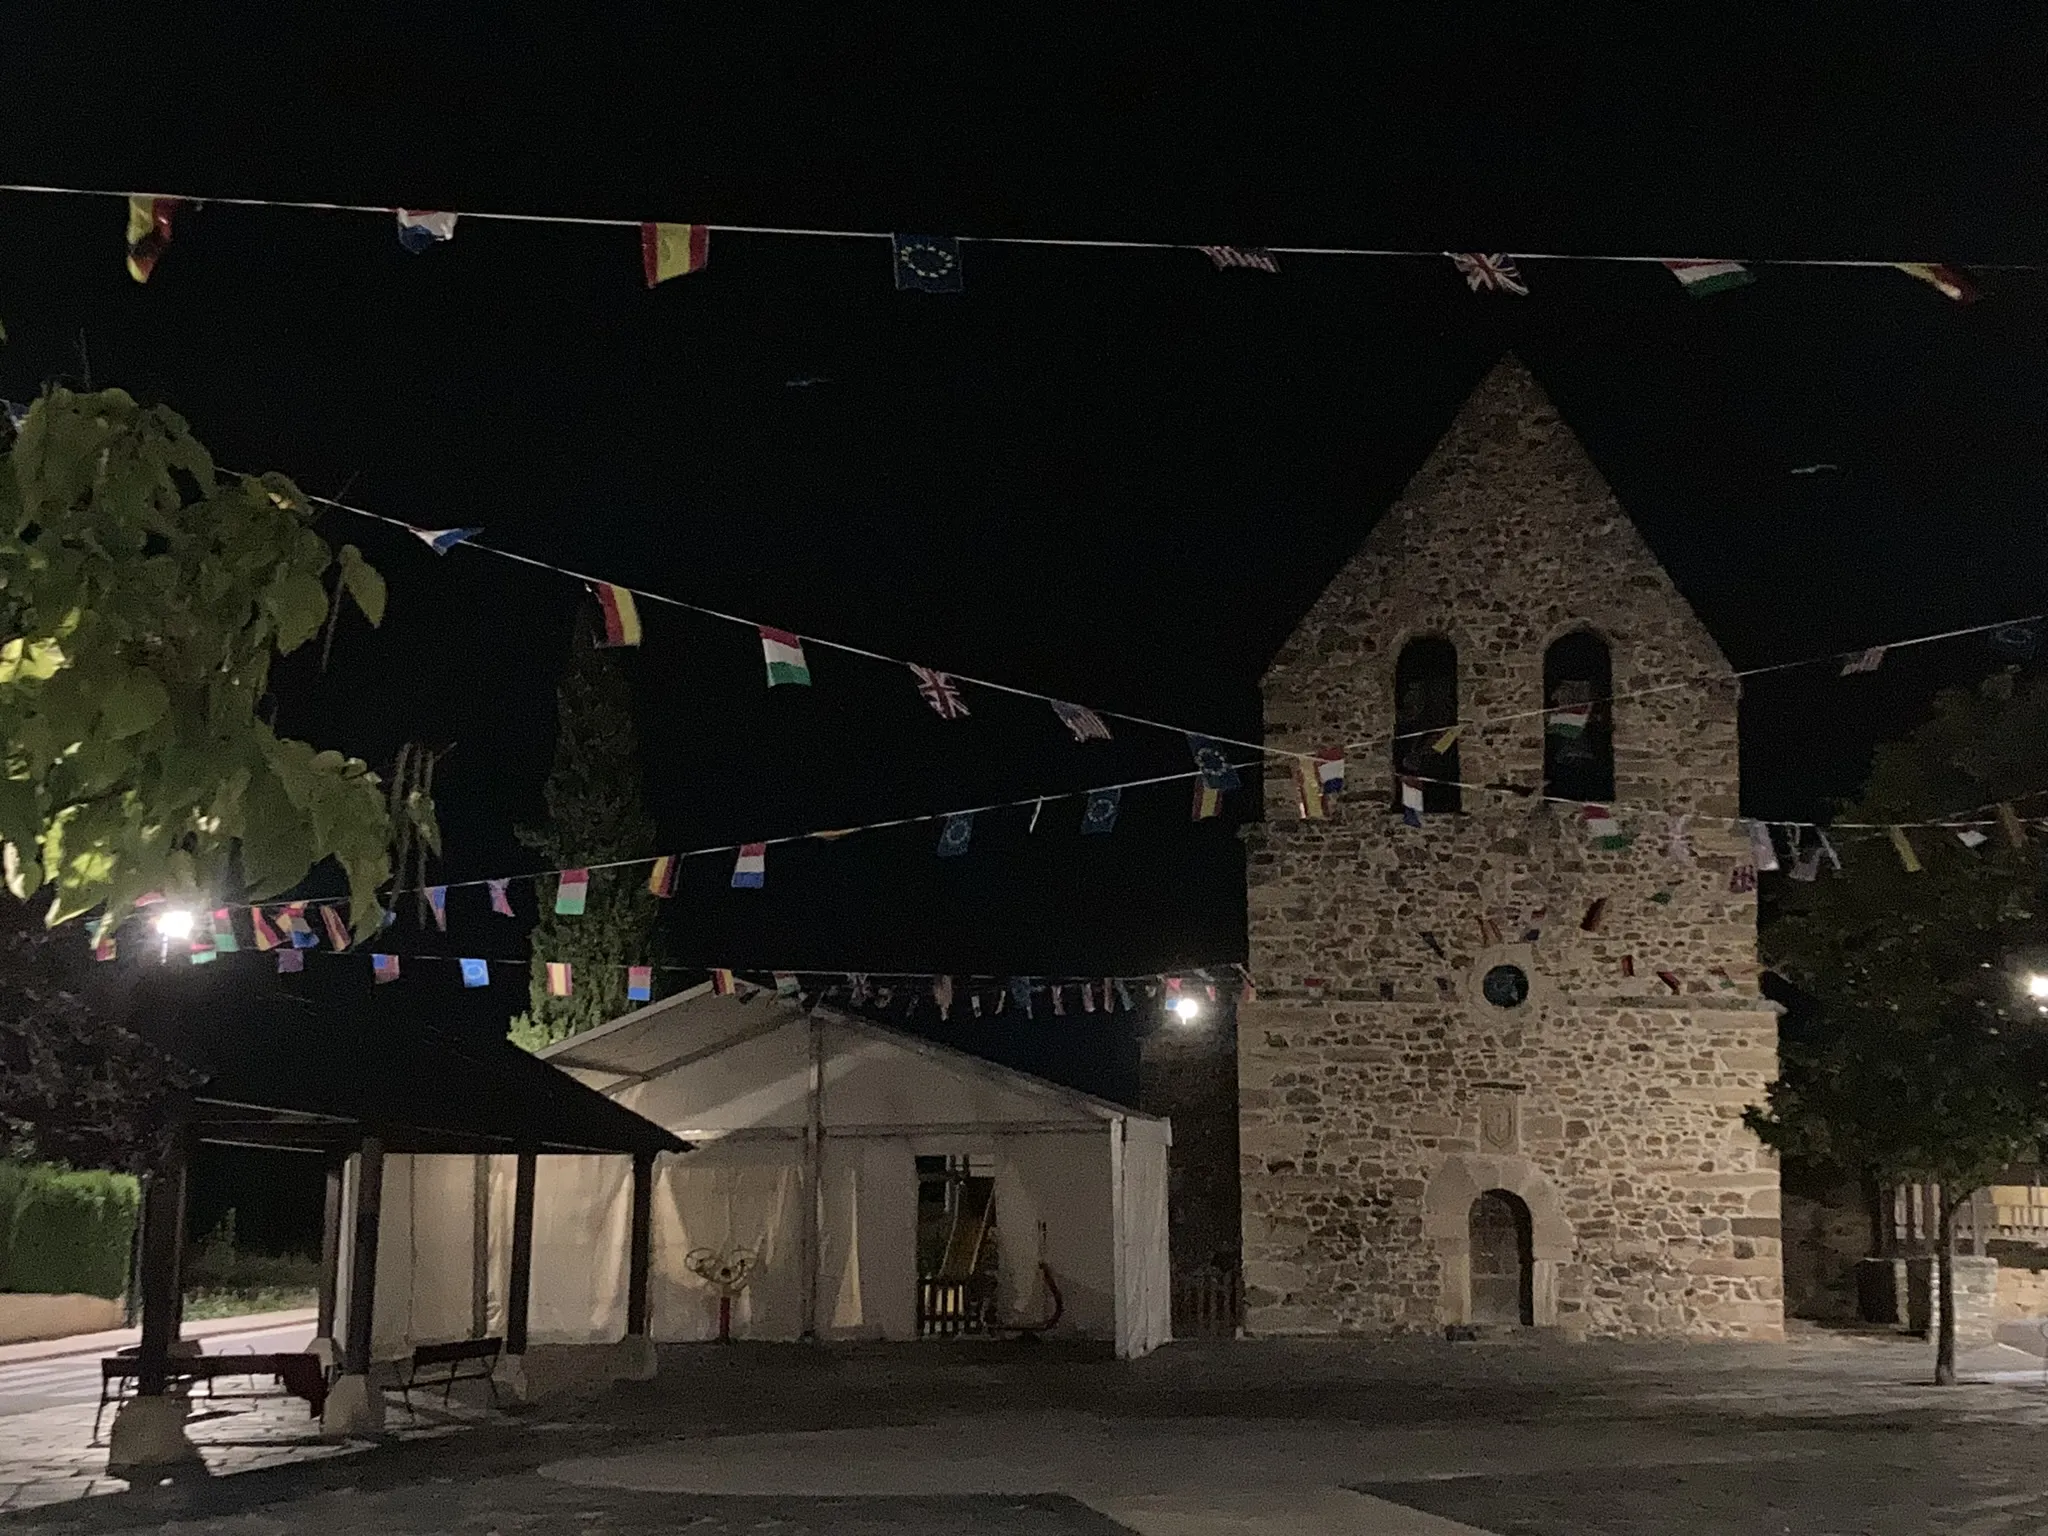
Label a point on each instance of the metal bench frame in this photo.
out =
(480, 1355)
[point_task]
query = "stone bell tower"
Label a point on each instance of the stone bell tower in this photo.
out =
(1496, 1066)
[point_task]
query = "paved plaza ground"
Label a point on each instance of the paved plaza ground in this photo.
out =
(1827, 1434)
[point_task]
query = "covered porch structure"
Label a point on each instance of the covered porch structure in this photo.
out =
(367, 1096)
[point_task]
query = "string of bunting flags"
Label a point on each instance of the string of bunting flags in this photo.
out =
(787, 663)
(933, 264)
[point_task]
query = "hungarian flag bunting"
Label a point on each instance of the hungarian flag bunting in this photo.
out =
(224, 938)
(661, 879)
(560, 978)
(572, 891)
(266, 936)
(1082, 721)
(1483, 272)
(1702, 278)
(723, 984)
(621, 618)
(1309, 791)
(787, 985)
(785, 656)
(149, 231)
(475, 973)
(1568, 719)
(501, 897)
(337, 929)
(418, 229)
(1604, 830)
(1944, 279)
(750, 870)
(1903, 846)
(673, 250)
(382, 967)
(1411, 800)
(437, 899)
(639, 983)
(290, 961)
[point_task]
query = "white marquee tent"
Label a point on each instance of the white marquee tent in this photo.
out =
(805, 1129)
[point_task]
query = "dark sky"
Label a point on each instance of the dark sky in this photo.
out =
(1115, 476)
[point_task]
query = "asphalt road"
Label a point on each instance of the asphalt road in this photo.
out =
(59, 1379)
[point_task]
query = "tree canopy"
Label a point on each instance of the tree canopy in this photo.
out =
(596, 814)
(143, 596)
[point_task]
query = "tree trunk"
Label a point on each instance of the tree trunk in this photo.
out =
(1945, 1322)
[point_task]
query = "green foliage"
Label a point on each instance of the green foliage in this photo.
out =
(66, 1232)
(144, 596)
(1927, 1061)
(595, 815)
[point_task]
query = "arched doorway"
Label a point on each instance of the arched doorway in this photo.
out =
(1503, 1260)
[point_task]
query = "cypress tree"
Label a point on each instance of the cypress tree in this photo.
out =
(596, 814)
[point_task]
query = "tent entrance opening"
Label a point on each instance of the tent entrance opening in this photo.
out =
(956, 1246)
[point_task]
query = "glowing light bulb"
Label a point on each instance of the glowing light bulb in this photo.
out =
(1185, 1008)
(174, 924)
(2037, 986)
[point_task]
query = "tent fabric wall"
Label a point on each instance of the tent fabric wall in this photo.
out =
(1144, 1267)
(722, 1198)
(1053, 1207)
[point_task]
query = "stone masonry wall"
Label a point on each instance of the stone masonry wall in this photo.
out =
(1379, 1091)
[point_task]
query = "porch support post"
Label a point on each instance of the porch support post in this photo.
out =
(519, 1281)
(638, 1346)
(353, 1406)
(149, 1429)
(330, 1258)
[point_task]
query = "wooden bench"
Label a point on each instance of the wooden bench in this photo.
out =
(297, 1375)
(443, 1365)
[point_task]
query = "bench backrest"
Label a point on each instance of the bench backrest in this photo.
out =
(460, 1349)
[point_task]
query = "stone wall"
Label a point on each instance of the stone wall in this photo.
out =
(1379, 1090)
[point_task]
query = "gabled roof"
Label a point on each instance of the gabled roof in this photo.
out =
(694, 1026)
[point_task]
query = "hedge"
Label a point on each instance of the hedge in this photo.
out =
(66, 1232)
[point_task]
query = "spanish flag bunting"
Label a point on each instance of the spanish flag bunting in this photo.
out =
(149, 231)
(722, 983)
(559, 978)
(673, 250)
(1208, 801)
(382, 967)
(337, 930)
(661, 879)
(639, 983)
(621, 617)
(1903, 846)
(266, 936)
(572, 891)
(1946, 280)
(1702, 278)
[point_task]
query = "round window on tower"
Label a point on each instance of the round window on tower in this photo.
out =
(1505, 986)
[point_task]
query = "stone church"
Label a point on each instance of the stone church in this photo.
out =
(1495, 1069)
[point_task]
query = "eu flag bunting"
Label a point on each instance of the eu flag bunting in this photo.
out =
(927, 263)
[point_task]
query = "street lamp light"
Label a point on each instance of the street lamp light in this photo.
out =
(174, 924)
(1186, 1009)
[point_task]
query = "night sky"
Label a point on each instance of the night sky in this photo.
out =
(1118, 477)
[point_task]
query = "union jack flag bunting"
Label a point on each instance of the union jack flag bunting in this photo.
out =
(1482, 271)
(941, 692)
(1251, 256)
(1082, 721)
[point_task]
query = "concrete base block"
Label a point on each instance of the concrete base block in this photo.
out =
(635, 1358)
(150, 1432)
(327, 1352)
(354, 1407)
